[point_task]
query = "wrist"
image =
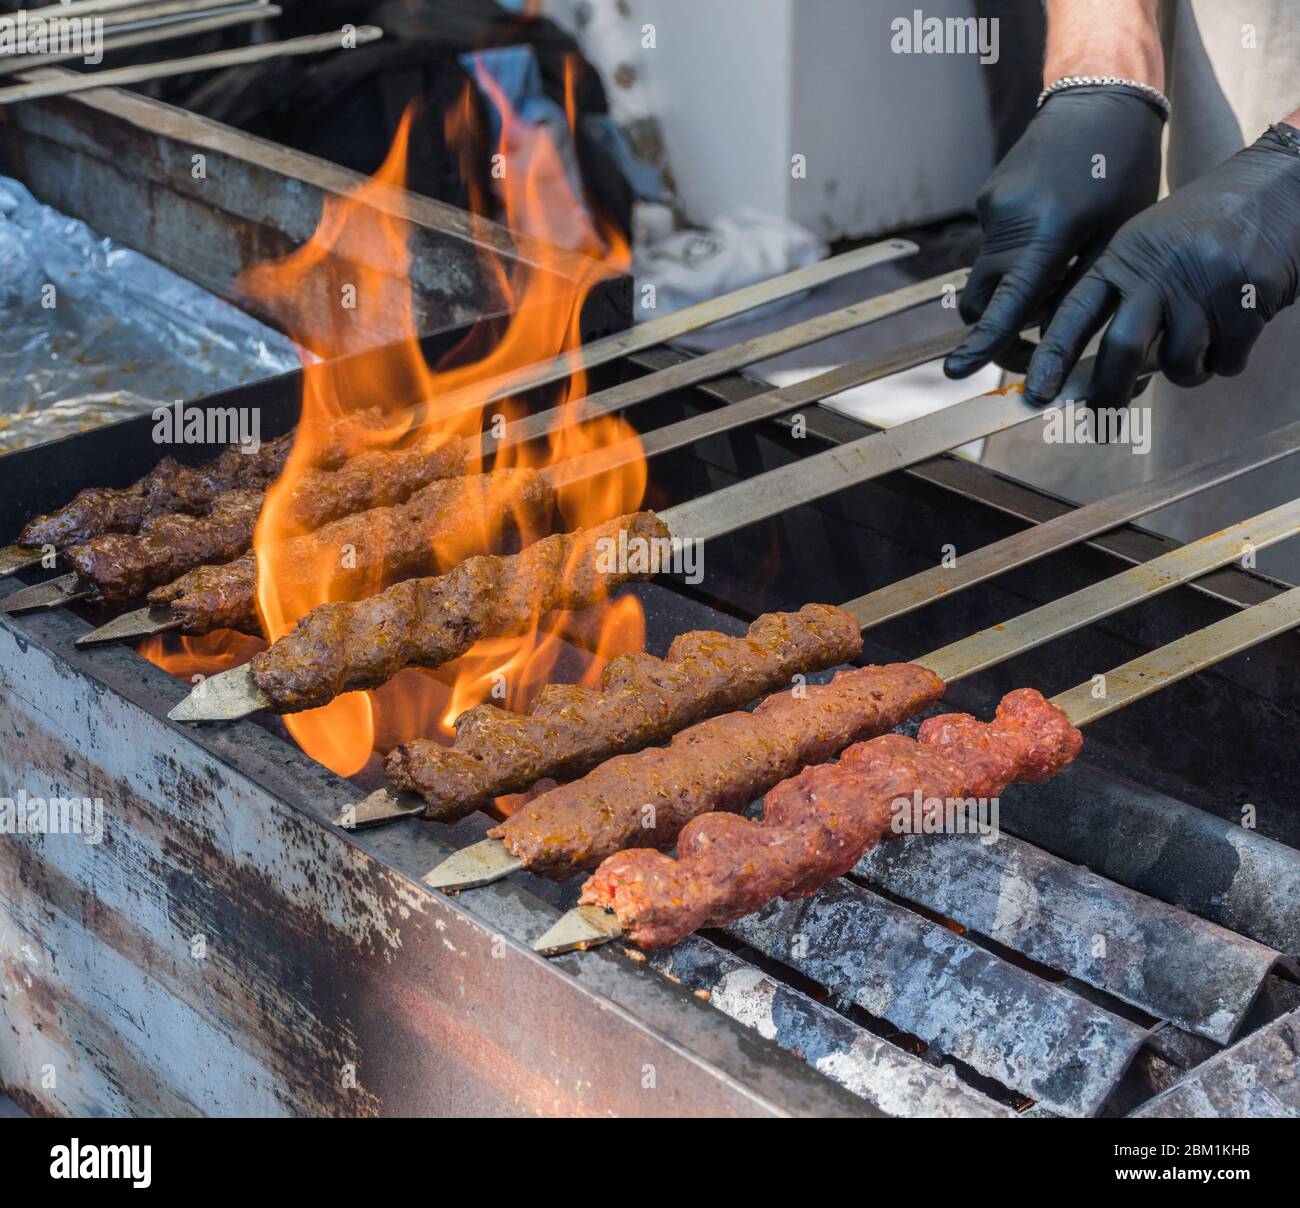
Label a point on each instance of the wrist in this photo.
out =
(1127, 66)
(1104, 38)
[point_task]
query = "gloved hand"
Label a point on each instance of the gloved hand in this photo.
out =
(1044, 204)
(1202, 271)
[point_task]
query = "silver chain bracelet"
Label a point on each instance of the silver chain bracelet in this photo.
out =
(1152, 94)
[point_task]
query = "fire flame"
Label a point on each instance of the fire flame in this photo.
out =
(354, 272)
(188, 658)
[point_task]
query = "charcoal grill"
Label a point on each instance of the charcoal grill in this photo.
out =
(227, 949)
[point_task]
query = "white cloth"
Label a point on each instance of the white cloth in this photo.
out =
(737, 250)
(901, 396)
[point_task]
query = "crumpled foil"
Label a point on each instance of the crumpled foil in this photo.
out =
(95, 332)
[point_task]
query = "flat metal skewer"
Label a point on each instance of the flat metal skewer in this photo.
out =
(150, 621)
(724, 360)
(53, 593)
(141, 72)
(146, 622)
(79, 8)
(154, 14)
(490, 859)
(14, 558)
(1081, 524)
(588, 926)
(682, 322)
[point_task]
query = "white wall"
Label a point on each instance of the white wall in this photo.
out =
(892, 140)
(739, 86)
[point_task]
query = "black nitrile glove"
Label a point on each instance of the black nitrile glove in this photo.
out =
(1045, 204)
(1201, 272)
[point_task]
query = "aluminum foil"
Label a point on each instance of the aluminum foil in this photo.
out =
(95, 332)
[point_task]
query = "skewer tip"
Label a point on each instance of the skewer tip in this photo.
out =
(14, 558)
(479, 864)
(381, 806)
(142, 623)
(53, 593)
(225, 697)
(581, 928)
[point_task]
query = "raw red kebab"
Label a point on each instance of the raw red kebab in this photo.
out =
(817, 825)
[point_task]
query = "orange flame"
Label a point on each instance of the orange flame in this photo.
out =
(189, 658)
(352, 278)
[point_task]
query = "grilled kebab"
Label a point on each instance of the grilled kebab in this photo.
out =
(192, 490)
(436, 527)
(426, 622)
(642, 700)
(123, 566)
(723, 763)
(168, 488)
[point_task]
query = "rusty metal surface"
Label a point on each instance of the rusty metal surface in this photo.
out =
(882, 1073)
(1169, 963)
(1164, 848)
(329, 981)
(1002, 1021)
(1259, 1078)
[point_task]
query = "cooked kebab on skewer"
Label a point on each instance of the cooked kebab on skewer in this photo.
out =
(723, 763)
(817, 825)
(192, 490)
(642, 700)
(123, 566)
(168, 487)
(439, 525)
(728, 761)
(244, 690)
(427, 622)
(214, 587)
